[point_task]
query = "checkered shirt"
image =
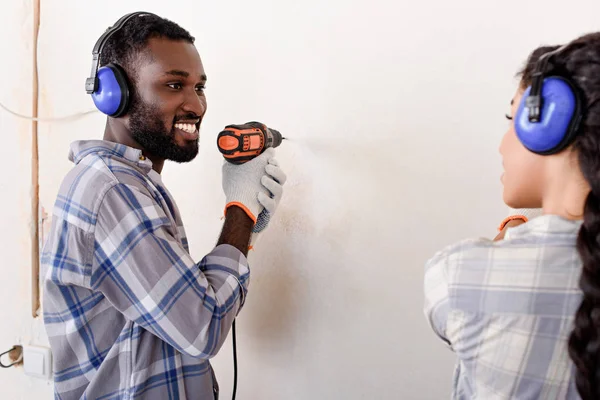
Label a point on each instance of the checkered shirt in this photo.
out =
(506, 309)
(129, 314)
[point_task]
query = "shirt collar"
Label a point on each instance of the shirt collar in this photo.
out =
(82, 148)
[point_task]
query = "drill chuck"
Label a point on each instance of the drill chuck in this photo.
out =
(276, 137)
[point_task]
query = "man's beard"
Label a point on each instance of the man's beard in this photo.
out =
(149, 131)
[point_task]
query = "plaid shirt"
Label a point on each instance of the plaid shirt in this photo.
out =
(506, 309)
(128, 313)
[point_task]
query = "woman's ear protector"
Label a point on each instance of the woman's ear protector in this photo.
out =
(548, 117)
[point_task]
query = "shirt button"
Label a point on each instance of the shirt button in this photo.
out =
(142, 158)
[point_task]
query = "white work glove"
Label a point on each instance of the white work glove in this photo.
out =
(255, 186)
(529, 213)
(273, 182)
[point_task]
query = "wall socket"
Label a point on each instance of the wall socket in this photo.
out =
(37, 361)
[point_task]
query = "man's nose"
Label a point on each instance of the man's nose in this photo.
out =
(194, 103)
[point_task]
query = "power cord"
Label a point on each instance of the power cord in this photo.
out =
(49, 119)
(234, 361)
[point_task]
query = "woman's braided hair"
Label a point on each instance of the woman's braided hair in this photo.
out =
(580, 63)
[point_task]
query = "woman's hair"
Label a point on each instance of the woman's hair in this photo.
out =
(526, 72)
(580, 63)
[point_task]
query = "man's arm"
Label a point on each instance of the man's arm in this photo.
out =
(143, 270)
(237, 229)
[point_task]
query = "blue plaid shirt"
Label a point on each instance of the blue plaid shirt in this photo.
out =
(506, 309)
(127, 311)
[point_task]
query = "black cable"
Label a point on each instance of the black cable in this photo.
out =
(234, 362)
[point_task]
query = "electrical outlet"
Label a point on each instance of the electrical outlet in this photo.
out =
(37, 361)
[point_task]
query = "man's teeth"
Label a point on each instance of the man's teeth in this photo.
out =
(190, 128)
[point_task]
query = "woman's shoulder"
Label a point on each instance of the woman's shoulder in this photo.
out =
(542, 236)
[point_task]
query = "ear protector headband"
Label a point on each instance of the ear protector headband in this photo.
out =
(548, 117)
(108, 85)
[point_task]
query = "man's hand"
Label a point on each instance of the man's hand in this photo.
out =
(509, 224)
(274, 182)
(242, 184)
(255, 188)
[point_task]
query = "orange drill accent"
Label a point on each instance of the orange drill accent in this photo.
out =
(228, 143)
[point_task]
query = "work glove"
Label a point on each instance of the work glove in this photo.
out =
(517, 214)
(273, 182)
(529, 213)
(255, 186)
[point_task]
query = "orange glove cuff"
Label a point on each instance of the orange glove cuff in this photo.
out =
(243, 207)
(511, 218)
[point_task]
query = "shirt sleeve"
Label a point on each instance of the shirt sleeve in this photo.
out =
(143, 270)
(437, 304)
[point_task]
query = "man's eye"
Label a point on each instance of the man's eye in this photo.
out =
(200, 89)
(174, 85)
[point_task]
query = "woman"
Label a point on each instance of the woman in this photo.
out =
(522, 313)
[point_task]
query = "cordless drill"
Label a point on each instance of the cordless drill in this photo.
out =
(241, 143)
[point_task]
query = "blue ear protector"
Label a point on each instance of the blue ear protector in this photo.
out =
(108, 85)
(548, 117)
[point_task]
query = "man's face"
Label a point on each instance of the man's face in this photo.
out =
(168, 102)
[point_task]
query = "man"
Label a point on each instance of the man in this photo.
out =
(128, 313)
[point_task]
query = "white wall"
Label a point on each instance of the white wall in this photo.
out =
(16, 323)
(395, 110)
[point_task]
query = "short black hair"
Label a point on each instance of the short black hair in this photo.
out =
(125, 46)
